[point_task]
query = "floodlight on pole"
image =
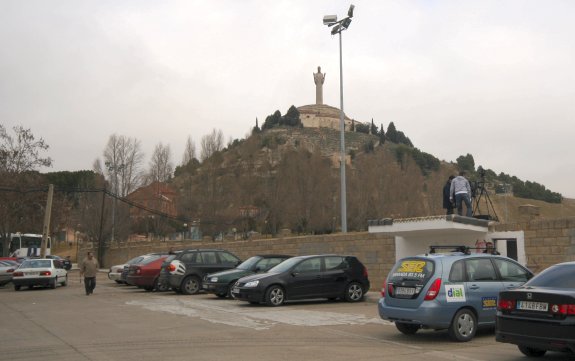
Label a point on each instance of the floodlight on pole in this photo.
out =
(338, 27)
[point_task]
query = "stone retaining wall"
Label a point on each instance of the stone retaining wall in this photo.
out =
(547, 241)
(376, 252)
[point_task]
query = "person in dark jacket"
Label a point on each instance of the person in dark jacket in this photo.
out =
(448, 203)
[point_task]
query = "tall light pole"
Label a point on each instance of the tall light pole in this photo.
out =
(338, 27)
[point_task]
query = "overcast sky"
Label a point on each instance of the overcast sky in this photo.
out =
(492, 78)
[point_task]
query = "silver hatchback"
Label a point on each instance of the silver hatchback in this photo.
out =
(456, 291)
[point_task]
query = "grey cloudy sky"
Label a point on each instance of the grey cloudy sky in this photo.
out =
(491, 78)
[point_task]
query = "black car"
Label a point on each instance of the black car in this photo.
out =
(306, 277)
(221, 283)
(540, 316)
(186, 271)
(66, 263)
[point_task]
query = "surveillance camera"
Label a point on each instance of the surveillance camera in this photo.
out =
(350, 11)
(329, 20)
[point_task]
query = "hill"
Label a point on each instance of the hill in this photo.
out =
(288, 177)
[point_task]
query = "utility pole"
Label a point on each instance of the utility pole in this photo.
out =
(47, 216)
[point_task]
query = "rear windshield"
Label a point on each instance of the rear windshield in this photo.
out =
(36, 264)
(151, 259)
(558, 276)
(412, 269)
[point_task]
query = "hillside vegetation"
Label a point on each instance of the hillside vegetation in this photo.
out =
(289, 178)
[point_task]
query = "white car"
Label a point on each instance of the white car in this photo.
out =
(40, 272)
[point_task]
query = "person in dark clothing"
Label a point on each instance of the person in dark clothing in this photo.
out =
(448, 203)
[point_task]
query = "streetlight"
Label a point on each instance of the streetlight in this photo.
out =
(338, 27)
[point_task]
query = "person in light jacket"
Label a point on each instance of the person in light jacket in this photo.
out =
(89, 270)
(461, 191)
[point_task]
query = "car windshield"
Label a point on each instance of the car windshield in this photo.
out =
(36, 264)
(558, 276)
(249, 263)
(412, 269)
(285, 265)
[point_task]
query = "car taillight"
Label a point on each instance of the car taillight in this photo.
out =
(171, 268)
(433, 291)
(18, 274)
(383, 287)
(563, 309)
(365, 272)
(503, 304)
(10, 270)
(45, 273)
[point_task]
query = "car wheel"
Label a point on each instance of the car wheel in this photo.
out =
(65, 283)
(54, 282)
(353, 292)
(407, 328)
(17, 287)
(463, 326)
(531, 352)
(161, 286)
(230, 286)
(191, 285)
(118, 282)
(275, 296)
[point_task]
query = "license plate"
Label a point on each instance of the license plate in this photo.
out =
(32, 273)
(532, 306)
(405, 291)
(235, 290)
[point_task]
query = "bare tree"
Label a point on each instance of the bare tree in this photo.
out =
(123, 160)
(161, 167)
(21, 152)
(212, 143)
(190, 152)
(97, 166)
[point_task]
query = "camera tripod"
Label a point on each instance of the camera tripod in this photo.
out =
(481, 192)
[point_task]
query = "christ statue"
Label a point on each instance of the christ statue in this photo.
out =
(318, 79)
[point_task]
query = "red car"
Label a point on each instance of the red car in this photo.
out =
(146, 274)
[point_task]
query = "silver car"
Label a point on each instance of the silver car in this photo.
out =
(6, 270)
(456, 291)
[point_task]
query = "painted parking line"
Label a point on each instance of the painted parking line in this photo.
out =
(248, 318)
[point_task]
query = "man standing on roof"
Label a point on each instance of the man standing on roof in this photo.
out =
(461, 191)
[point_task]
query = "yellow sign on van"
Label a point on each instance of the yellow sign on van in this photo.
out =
(412, 266)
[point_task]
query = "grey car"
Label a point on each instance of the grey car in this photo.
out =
(456, 291)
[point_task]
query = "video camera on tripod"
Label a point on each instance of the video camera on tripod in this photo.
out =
(478, 192)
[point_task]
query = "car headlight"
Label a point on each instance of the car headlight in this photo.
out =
(252, 284)
(214, 279)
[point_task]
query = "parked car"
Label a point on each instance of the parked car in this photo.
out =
(146, 273)
(456, 291)
(220, 283)
(115, 273)
(7, 267)
(186, 271)
(540, 316)
(65, 261)
(40, 272)
(306, 277)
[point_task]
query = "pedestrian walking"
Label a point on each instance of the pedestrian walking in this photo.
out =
(89, 270)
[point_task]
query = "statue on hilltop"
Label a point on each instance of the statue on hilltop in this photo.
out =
(318, 79)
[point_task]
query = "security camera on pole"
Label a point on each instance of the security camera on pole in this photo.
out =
(337, 28)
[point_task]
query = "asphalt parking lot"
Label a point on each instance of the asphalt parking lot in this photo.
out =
(124, 323)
